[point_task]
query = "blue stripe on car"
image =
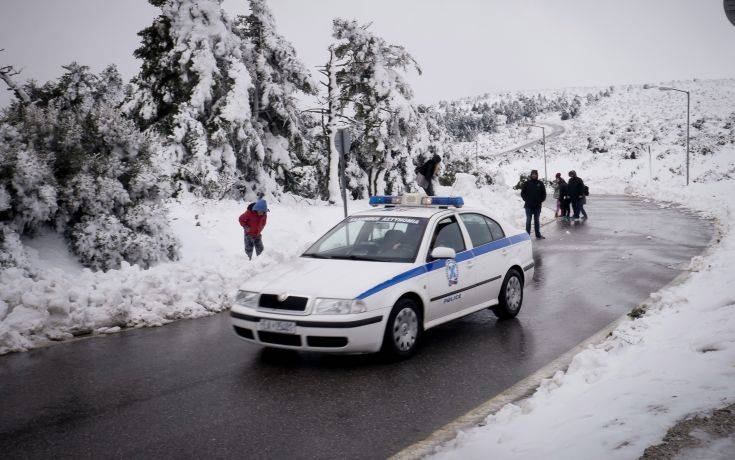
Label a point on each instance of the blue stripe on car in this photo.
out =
(437, 264)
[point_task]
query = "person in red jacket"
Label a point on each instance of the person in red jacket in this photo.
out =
(253, 222)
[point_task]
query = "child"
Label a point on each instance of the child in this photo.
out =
(253, 222)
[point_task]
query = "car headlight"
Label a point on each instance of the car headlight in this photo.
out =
(338, 306)
(247, 299)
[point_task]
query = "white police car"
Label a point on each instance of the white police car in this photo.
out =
(381, 277)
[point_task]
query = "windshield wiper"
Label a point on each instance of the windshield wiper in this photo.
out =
(317, 256)
(354, 257)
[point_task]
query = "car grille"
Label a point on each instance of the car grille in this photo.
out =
(290, 303)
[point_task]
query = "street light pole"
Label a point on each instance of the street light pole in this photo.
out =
(546, 174)
(668, 88)
(543, 132)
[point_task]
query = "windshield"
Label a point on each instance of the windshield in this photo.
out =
(376, 238)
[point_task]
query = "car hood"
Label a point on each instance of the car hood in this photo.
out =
(344, 279)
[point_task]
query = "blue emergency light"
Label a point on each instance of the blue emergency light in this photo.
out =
(417, 200)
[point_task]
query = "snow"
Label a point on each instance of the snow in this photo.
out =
(714, 449)
(620, 396)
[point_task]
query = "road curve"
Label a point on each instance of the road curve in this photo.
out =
(192, 389)
(556, 130)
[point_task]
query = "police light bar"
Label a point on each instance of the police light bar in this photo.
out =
(417, 200)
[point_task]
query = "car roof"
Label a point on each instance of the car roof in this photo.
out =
(418, 211)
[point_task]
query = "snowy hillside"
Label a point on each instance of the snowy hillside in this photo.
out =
(620, 396)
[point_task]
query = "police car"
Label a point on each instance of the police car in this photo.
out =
(382, 277)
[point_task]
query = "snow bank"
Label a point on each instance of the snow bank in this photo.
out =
(62, 299)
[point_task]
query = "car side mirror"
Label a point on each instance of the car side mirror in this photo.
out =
(443, 253)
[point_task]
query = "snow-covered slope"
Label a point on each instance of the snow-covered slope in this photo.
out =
(620, 396)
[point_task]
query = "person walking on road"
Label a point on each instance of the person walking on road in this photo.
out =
(426, 172)
(564, 201)
(253, 222)
(576, 192)
(558, 185)
(533, 193)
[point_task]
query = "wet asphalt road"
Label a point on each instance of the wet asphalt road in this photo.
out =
(192, 389)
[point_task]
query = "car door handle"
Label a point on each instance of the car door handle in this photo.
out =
(470, 264)
(504, 252)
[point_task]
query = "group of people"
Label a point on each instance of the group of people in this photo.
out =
(567, 194)
(573, 193)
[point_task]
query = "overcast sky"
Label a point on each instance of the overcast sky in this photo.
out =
(465, 47)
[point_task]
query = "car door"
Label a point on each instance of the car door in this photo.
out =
(501, 262)
(490, 254)
(448, 279)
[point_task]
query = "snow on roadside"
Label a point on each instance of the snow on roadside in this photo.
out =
(620, 396)
(62, 299)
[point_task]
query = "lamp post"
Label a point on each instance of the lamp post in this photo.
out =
(668, 88)
(543, 132)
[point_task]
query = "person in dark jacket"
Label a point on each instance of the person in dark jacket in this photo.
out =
(533, 193)
(564, 202)
(426, 172)
(576, 193)
(253, 222)
(559, 184)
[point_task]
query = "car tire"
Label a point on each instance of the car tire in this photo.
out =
(511, 295)
(402, 330)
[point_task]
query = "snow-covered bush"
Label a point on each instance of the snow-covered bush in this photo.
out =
(73, 162)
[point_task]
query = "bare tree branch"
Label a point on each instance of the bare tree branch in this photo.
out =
(6, 74)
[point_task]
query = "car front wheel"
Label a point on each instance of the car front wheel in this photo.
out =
(511, 295)
(403, 330)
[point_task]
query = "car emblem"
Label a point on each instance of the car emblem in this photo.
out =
(452, 272)
(282, 297)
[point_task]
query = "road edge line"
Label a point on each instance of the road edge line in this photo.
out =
(526, 387)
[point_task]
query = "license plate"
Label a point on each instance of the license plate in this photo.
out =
(272, 325)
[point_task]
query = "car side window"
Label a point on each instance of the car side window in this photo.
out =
(495, 229)
(478, 229)
(447, 234)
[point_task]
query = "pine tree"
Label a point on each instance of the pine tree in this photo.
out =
(278, 77)
(372, 84)
(193, 89)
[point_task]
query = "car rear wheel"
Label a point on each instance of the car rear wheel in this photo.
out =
(511, 295)
(403, 330)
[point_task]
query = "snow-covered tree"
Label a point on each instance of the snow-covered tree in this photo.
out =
(71, 161)
(278, 78)
(374, 91)
(193, 89)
